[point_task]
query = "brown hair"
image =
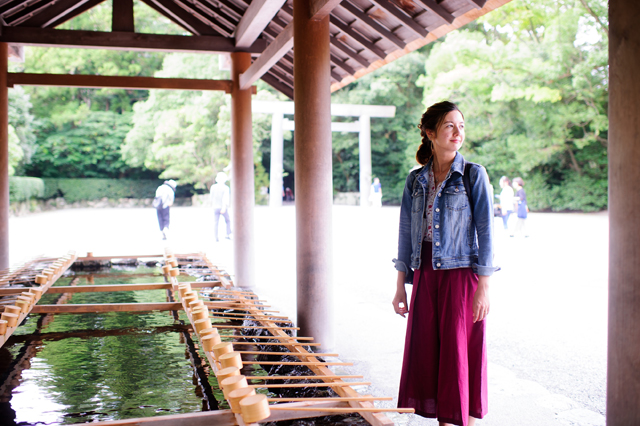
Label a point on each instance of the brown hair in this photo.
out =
(431, 120)
(519, 181)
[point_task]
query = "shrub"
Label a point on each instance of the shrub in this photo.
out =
(23, 188)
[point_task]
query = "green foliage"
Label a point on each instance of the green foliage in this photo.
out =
(25, 188)
(22, 136)
(394, 141)
(532, 81)
(88, 145)
(73, 190)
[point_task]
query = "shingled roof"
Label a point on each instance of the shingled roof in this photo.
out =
(365, 34)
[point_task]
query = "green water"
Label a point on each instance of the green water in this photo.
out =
(76, 368)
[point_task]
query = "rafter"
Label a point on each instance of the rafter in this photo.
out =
(219, 23)
(346, 29)
(272, 54)
(348, 51)
(56, 11)
(189, 21)
(342, 64)
(431, 6)
(123, 41)
(402, 16)
(373, 24)
(255, 20)
(22, 15)
(278, 85)
(73, 13)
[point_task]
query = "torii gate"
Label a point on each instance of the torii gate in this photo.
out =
(363, 127)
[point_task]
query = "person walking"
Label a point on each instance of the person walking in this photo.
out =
(445, 249)
(220, 195)
(523, 208)
(375, 194)
(507, 201)
(165, 196)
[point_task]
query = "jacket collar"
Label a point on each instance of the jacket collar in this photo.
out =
(456, 166)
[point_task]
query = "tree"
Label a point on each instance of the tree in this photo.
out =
(532, 81)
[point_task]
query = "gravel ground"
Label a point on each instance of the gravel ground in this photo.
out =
(548, 323)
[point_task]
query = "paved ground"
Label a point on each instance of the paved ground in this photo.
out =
(547, 328)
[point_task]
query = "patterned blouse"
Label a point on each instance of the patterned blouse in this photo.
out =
(433, 190)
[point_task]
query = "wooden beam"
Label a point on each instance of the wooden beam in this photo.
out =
(373, 24)
(106, 307)
(402, 16)
(55, 11)
(255, 20)
(369, 45)
(17, 18)
(319, 9)
(72, 13)
(189, 21)
(278, 85)
(222, 22)
(206, 418)
(123, 41)
(432, 6)
(119, 82)
(122, 16)
(347, 50)
(272, 54)
(110, 287)
(342, 64)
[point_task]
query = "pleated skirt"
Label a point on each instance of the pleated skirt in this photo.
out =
(444, 369)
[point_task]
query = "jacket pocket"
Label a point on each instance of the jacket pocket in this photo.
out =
(455, 198)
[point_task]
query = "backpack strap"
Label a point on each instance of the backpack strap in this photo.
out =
(466, 180)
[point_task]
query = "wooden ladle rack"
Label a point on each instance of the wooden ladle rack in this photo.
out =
(203, 303)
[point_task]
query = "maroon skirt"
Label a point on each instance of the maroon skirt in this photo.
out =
(444, 370)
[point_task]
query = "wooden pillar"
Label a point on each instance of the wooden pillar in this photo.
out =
(4, 158)
(623, 361)
(364, 147)
(314, 186)
(242, 175)
(277, 160)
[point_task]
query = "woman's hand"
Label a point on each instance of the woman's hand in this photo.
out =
(481, 299)
(400, 300)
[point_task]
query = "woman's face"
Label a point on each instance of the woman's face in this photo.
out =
(450, 134)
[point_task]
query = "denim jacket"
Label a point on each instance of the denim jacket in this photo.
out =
(459, 241)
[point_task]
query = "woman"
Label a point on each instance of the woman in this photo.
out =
(506, 201)
(446, 238)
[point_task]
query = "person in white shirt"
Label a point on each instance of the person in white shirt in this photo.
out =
(165, 196)
(506, 200)
(220, 202)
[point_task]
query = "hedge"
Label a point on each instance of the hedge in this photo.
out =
(25, 188)
(72, 190)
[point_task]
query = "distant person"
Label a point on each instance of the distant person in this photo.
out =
(445, 249)
(220, 196)
(523, 207)
(507, 201)
(375, 196)
(165, 196)
(288, 194)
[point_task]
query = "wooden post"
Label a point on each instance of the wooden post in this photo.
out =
(314, 186)
(4, 158)
(623, 386)
(122, 16)
(242, 179)
(277, 158)
(364, 147)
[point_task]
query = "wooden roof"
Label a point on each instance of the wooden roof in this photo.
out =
(365, 34)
